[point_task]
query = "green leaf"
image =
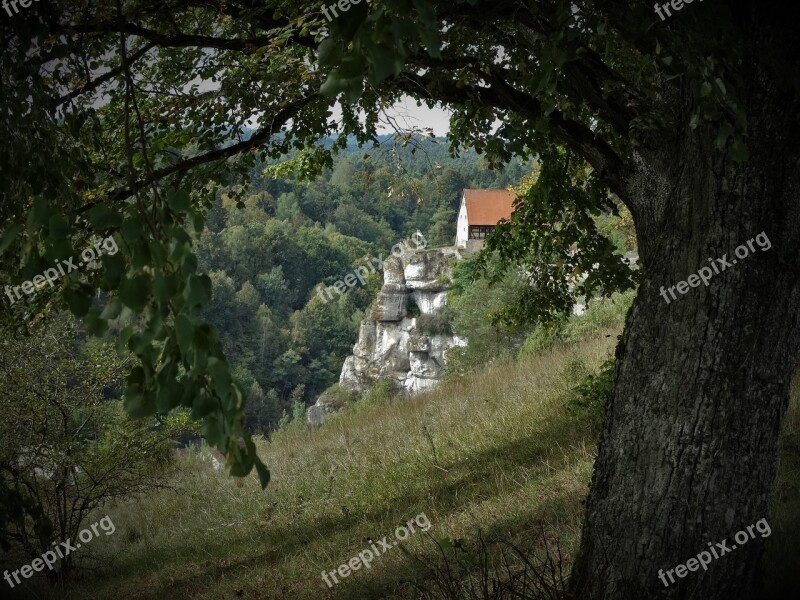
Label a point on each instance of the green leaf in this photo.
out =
(184, 333)
(178, 200)
(245, 457)
(386, 61)
(263, 473)
(180, 235)
(102, 217)
(164, 287)
(199, 222)
(57, 226)
(56, 249)
(135, 292)
(188, 262)
(220, 377)
(124, 336)
(202, 406)
(240, 469)
(329, 53)
(131, 228)
(137, 403)
(334, 85)
(349, 22)
(158, 253)
(8, 237)
(112, 309)
(39, 214)
(95, 324)
(705, 89)
(141, 255)
(168, 396)
(352, 66)
(113, 269)
(79, 299)
(198, 290)
(725, 131)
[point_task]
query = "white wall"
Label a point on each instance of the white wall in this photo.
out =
(462, 226)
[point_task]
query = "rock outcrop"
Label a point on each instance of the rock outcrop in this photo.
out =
(406, 339)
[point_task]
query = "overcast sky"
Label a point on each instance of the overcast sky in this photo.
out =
(409, 115)
(406, 115)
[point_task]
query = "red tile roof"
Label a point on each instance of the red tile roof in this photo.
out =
(487, 207)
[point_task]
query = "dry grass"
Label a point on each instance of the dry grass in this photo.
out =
(495, 450)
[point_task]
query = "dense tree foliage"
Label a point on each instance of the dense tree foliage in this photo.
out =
(66, 444)
(268, 263)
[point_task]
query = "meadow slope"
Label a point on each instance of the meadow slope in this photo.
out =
(504, 451)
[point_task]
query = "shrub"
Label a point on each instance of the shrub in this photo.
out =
(412, 308)
(438, 323)
(593, 394)
(63, 432)
(476, 305)
(380, 393)
(337, 396)
(602, 314)
(443, 280)
(543, 337)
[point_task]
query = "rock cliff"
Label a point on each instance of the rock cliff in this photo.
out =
(406, 339)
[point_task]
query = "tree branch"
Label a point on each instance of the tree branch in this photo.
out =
(609, 167)
(90, 86)
(256, 140)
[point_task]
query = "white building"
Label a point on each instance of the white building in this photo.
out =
(478, 215)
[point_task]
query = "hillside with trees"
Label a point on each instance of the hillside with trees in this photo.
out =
(268, 252)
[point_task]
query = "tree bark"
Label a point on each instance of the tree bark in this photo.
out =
(688, 453)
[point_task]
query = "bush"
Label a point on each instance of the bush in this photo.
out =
(476, 304)
(575, 371)
(381, 393)
(438, 323)
(62, 432)
(593, 394)
(297, 418)
(602, 314)
(337, 396)
(542, 338)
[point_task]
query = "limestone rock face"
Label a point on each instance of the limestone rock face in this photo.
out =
(429, 302)
(326, 404)
(390, 347)
(392, 303)
(317, 412)
(428, 271)
(393, 271)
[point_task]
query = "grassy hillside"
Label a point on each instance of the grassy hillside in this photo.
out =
(505, 451)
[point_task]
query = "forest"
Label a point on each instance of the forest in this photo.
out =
(266, 260)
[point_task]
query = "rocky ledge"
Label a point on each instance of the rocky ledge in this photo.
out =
(406, 339)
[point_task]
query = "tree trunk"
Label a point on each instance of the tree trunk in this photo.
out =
(688, 454)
